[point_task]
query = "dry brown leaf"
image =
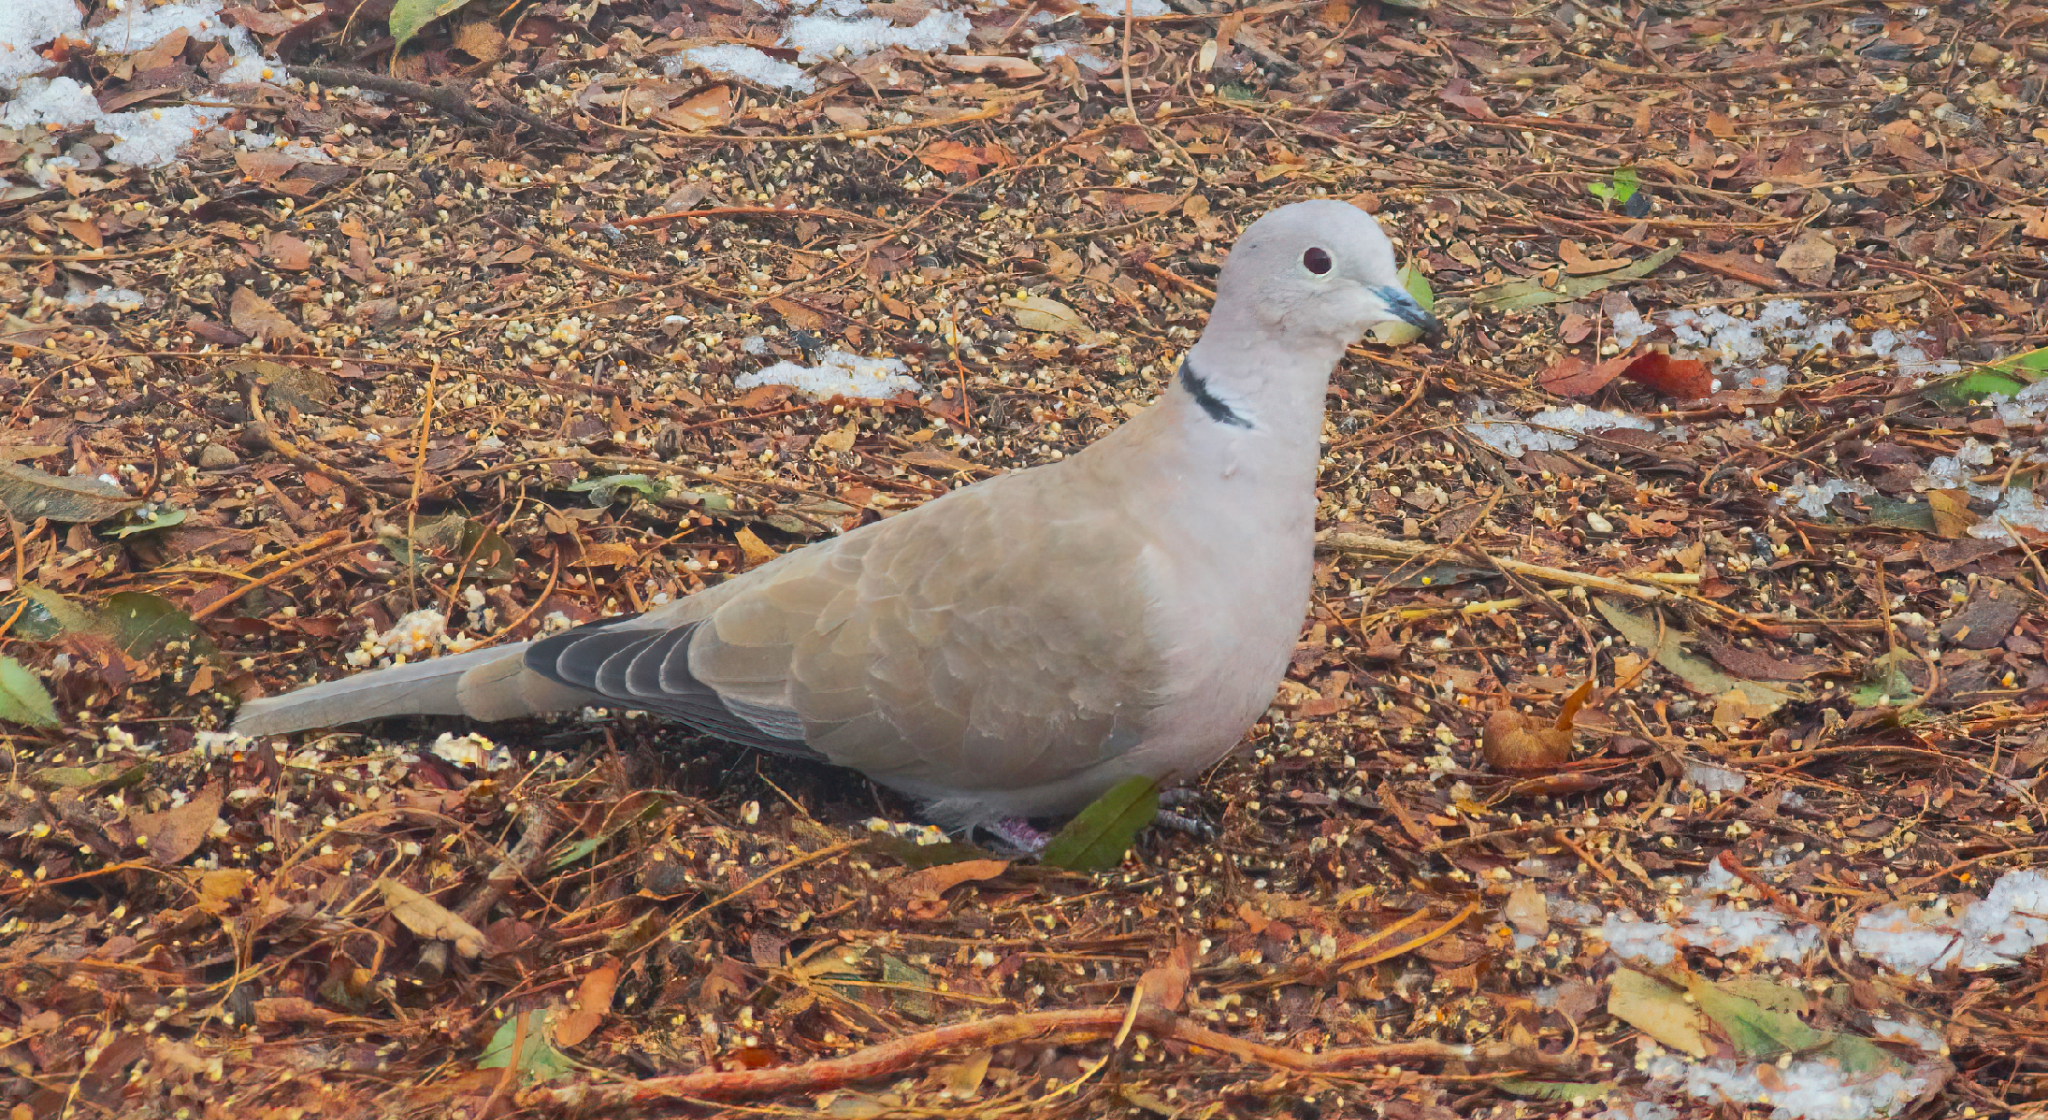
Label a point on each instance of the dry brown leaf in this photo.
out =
(951, 157)
(1951, 510)
(593, 1003)
(1004, 66)
(288, 252)
(178, 831)
(935, 881)
(1165, 985)
(1810, 259)
(756, 550)
(428, 918)
(259, 318)
(1038, 313)
(707, 110)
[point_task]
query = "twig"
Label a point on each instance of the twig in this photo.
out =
(454, 101)
(261, 433)
(911, 1051)
(320, 553)
(516, 866)
(1365, 544)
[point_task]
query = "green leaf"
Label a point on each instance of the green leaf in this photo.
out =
(1097, 838)
(1524, 293)
(1573, 1091)
(450, 538)
(408, 16)
(1887, 512)
(1394, 332)
(149, 519)
(2031, 362)
(28, 493)
(103, 778)
(538, 1059)
(1887, 682)
(575, 852)
(1755, 1030)
(1972, 388)
(23, 699)
(141, 624)
(604, 490)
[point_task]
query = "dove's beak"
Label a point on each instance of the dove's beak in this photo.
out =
(1407, 310)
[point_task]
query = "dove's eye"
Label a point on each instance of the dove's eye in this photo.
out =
(1316, 261)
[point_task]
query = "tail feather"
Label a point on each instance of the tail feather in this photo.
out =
(483, 684)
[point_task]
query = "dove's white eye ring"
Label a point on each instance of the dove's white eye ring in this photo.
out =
(1316, 261)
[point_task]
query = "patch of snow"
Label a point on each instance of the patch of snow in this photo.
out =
(1994, 932)
(1553, 429)
(121, 299)
(1709, 778)
(819, 37)
(147, 137)
(838, 374)
(1080, 52)
(26, 25)
(1808, 1089)
(2021, 508)
(1812, 497)
(746, 63)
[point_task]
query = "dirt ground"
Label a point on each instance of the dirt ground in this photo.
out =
(472, 348)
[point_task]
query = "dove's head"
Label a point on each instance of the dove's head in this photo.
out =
(1320, 269)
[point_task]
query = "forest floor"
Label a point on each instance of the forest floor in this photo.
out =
(1708, 470)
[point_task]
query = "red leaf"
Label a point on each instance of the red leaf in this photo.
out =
(1458, 92)
(1576, 377)
(1678, 378)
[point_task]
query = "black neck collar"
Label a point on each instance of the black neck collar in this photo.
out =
(1198, 386)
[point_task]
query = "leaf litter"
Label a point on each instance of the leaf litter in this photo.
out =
(1736, 428)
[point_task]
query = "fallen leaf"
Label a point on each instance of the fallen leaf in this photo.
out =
(1657, 1009)
(27, 494)
(950, 157)
(935, 881)
(1680, 379)
(1573, 376)
(1165, 985)
(1667, 644)
(707, 110)
(1951, 509)
(23, 699)
(593, 1003)
(288, 252)
(1038, 313)
(1013, 69)
(428, 918)
(259, 318)
(1810, 259)
(177, 832)
(755, 549)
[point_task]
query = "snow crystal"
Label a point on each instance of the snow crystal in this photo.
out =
(2023, 409)
(1999, 930)
(1714, 779)
(742, 62)
(1082, 56)
(146, 138)
(1630, 328)
(821, 37)
(1812, 498)
(1650, 942)
(2020, 508)
(1638, 1110)
(1809, 1089)
(26, 25)
(62, 102)
(838, 374)
(1553, 429)
(121, 299)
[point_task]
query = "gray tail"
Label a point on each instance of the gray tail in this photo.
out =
(425, 688)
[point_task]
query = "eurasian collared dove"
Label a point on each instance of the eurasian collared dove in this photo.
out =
(1016, 647)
